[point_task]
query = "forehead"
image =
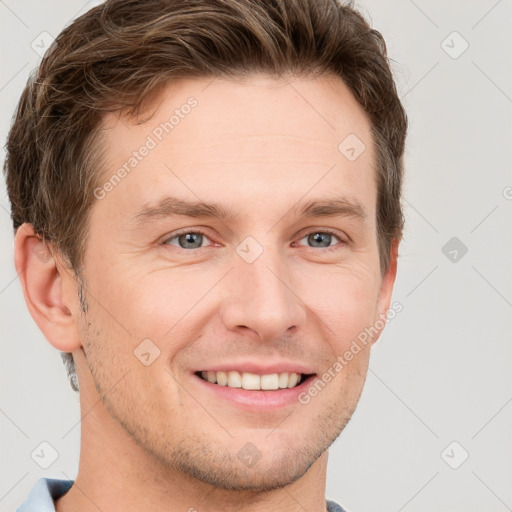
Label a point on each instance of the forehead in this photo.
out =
(261, 138)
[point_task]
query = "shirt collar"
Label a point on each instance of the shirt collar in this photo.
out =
(43, 495)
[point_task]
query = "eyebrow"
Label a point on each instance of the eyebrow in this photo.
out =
(173, 206)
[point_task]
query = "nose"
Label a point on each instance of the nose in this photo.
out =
(260, 296)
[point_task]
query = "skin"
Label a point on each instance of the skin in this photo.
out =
(258, 146)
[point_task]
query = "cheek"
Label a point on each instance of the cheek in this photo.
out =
(162, 304)
(150, 304)
(117, 357)
(140, 304)
(345, 298)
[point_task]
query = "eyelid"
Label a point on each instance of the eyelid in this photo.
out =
(302, 234)
(184, 231)
(331, 231)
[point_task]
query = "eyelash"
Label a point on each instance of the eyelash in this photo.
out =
(199, 232)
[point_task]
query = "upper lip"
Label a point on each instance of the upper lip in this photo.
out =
(263, 368)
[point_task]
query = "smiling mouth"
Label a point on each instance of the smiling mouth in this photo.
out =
(253, 381)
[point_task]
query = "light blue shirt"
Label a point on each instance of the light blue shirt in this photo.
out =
(47, 490)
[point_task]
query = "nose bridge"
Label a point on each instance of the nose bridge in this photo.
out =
(262, 296)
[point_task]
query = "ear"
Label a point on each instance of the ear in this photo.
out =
(386, 290)
(49, 288)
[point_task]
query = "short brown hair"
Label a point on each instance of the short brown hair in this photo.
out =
(116, 56)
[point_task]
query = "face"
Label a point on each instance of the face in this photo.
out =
(254, 287)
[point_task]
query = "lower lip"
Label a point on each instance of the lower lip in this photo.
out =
(257, 399)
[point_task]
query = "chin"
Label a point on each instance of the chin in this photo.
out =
(263, 476)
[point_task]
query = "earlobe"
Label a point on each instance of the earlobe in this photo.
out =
(49, 301)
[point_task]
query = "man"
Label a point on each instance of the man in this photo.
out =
(206, 199)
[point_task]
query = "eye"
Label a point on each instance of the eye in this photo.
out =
(187, 240)
(322, 239)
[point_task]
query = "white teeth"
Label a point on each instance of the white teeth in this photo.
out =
(222, 378)
(292, 380)
(234, 379)
(283, 380)
(252, 381)
(270, 381)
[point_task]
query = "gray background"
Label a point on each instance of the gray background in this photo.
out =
(441, 371)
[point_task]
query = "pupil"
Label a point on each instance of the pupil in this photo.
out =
(317, 237)
(189, 238)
